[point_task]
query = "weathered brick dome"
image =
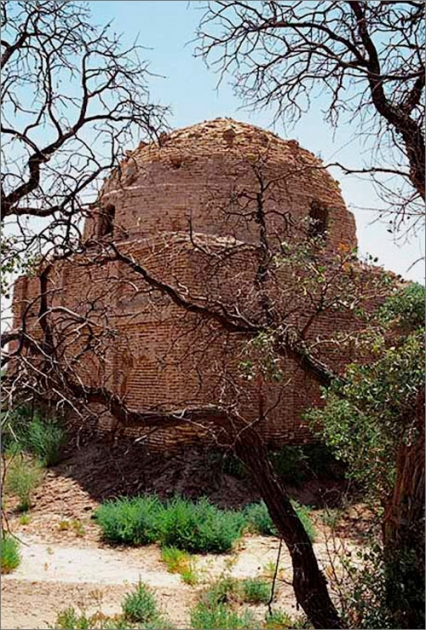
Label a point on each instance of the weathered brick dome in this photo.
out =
(198, 211)
(199, 175)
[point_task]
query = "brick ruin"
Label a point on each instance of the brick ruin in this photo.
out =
(195, 210)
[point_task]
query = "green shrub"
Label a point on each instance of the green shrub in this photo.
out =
(200, 527)
(25, 432)
(45, 439)
(256, 591)
(223, 591)
(140, 606)
(229, 590)
(10, 555)
(290, 462)
(23, 475)
(220, 617)
(135, 521)
(295, 464)
(260, 522)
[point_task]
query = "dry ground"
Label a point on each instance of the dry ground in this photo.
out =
(65, 562)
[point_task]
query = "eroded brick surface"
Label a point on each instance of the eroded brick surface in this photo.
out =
(187, 210)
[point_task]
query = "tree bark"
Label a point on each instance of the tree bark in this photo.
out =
(403, 530)
(309, 583)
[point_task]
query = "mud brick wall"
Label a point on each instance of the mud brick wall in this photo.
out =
(176, 208)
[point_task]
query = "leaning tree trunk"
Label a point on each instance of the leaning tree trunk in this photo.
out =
(403, 530)
(309, 583)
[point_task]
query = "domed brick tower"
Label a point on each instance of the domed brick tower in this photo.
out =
(183, 233)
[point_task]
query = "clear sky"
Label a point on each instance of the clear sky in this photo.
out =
(166, 28)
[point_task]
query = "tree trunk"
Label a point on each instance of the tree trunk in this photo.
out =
(403, 531)
(309, 583)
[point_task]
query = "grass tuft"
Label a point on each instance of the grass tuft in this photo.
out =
(255, 591)
(140, 606)
(10, 554)
(23, 475)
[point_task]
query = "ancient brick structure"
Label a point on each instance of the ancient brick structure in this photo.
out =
(204, 210)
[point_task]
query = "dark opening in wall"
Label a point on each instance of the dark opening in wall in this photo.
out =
(106, 221)
(318, 219)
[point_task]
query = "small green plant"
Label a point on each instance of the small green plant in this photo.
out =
(260, 522)
(190, 575)
(69, 619)
(78, 528)
(45, 440)
(256, 591)
(140, 606)
(10, 555)
(31, 433)
(218, 617)
(23, 475)
(64, 525)
(175, 559)
(181, 562)
(24, 519)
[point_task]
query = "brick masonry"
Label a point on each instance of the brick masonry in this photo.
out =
(187, 209)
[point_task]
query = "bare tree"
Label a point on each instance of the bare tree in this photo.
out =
(72, 99)
(365, 58)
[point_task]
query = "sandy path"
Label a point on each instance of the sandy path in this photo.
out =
(51, 578)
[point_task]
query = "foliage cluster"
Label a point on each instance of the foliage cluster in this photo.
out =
(10, 555)
(182, 525)
(368, 415)
(220, 606)
(23, 475)
(30, 442)
(260, 522)
(35, 434)
(194, 527)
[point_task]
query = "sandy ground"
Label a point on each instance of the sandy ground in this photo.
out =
(52, 578)
(94, 578)
(66, 563)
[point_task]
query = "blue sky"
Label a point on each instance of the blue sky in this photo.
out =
(166, 28)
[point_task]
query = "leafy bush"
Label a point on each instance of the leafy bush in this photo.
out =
(140, 606)
(135, 521)
(10, 555)
(25, 432)
(256, 591)
(23, 475)
(259, 520)
(200, 527)
(45, 439)
(194, 527)
(219, 617)
(295, 464)
(290, 462)
(406, 306)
